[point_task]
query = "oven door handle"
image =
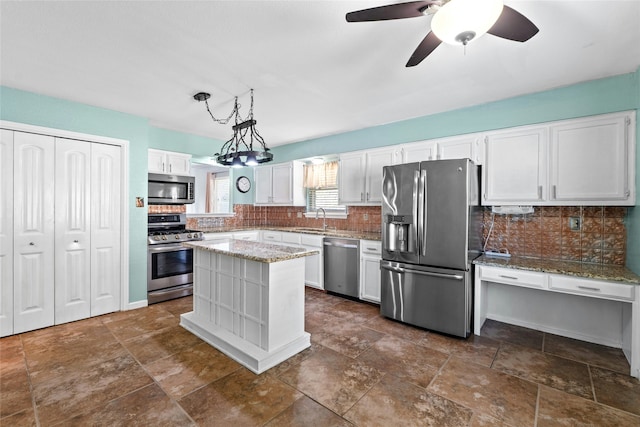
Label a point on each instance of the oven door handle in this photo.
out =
(168, 248)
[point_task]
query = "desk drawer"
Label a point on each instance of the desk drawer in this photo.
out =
(511, 276)
(592, 288)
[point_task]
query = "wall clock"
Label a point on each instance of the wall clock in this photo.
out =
(243, 184)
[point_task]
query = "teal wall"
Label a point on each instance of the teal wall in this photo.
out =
(612, 94)
(25, 107)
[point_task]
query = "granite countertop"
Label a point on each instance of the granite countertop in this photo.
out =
(610, 272)
(363, 235)
(255, 251)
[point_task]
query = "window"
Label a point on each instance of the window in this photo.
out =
(322, 188)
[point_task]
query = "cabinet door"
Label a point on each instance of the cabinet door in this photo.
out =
(457, 148)
(178, 164)
(262, 180)
(6, 233)
(370, 278)
(351, 178)
(72, 230)
(376, 160)
(106, 265)
(419, 152)
(157, 161)
(589, 161)
(514, 170)
(281, 184)
(33, 231)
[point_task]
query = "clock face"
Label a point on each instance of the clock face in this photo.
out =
(243, 184)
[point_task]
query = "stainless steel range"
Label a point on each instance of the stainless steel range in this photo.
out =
(169, 264)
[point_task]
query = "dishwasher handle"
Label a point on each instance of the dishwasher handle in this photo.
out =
(341, 245)
(423, 273)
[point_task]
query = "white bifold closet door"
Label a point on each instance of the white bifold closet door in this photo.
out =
(87, 232)
(106, 233)
(6, 232)
(33, 227)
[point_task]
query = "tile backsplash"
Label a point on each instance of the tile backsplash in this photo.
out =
(360, 218)
(601, 237)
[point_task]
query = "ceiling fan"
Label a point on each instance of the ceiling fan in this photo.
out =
(454, 22)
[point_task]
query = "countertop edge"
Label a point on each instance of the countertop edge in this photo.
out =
(275, 255)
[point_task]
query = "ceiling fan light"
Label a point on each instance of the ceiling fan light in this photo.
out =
(460, 21)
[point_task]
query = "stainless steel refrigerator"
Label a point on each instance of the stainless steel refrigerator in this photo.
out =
(431, 231)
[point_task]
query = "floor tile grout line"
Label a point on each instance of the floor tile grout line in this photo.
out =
(151, 377)
(31, 390)
(537, 411)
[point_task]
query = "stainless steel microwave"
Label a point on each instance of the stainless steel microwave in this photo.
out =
(170, 189)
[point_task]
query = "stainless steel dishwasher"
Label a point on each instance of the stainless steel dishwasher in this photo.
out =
(342, 266)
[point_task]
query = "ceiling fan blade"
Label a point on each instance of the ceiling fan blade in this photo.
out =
(426, 46)
(393, 11)
(513, 25)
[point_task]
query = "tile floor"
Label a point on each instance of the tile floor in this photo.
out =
(140, 368)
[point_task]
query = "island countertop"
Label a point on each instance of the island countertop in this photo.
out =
(255, 251)
(610, 272)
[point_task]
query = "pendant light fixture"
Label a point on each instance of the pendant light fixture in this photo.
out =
(460, 21)
(246, 147)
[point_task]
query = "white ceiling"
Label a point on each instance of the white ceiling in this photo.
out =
(313, 73)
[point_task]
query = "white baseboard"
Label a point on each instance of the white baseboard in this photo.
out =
(135, 305)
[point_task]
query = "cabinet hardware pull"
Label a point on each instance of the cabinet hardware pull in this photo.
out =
(362, 197)
(75, 241)
(31, 244)
(589, 288)
(162, 166)
(554, 191)
(509, 277)
(170, 167)
(540, 192)
(371, 249)
(367, 196)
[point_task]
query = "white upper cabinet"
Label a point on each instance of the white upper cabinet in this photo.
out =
(586, 161)
(589, 161)
(514, 168)
(464, 147)
(279, 184)
(169, 162)
(360, 176)
(419, 151)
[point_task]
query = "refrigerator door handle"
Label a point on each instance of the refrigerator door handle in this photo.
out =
(415, 247)
(422, 213)
(423, 273)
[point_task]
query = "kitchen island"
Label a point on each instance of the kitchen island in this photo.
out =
(248, 300)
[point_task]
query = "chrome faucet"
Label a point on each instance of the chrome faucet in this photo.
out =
(324, 218)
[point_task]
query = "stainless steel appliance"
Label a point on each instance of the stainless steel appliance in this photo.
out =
(431, 231)
(169, 264)
(170, 189)
(342, 266)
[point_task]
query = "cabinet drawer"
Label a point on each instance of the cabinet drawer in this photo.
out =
(214, 236)
(514, 277)
(592, 288)
(271, 236)
(371, 247)
(249, 235)
(311, 240)
(291, 238)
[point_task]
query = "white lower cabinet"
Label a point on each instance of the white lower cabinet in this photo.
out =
(370, 256)
(313, 265)
(60, 230)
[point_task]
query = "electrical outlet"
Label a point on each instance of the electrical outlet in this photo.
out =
(365, 217)
(574, 223)
(299, 215)
(289, 214)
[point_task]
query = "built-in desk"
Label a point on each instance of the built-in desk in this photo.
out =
(591, 302)
(248, 300)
